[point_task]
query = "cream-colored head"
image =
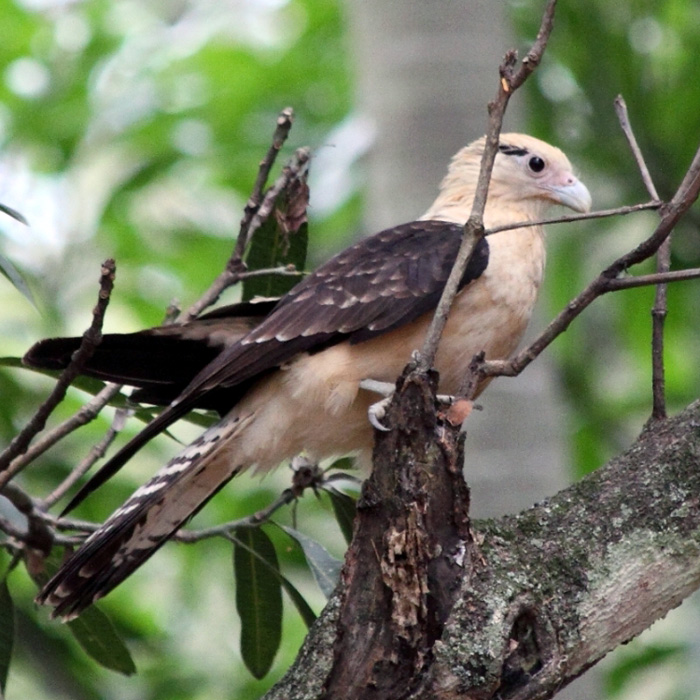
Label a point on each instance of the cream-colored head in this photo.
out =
(528, 175)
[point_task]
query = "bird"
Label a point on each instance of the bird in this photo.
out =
(285, 375)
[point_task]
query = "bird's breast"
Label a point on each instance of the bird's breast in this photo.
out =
(492, 313)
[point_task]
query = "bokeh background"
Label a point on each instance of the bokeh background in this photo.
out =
(133, 130)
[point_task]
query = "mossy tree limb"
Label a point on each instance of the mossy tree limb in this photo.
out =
(536, 598)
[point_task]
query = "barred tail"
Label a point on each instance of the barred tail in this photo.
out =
(145, 522)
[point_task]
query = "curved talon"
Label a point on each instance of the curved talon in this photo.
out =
(376, 412)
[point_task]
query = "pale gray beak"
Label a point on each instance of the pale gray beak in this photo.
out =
(574, 195)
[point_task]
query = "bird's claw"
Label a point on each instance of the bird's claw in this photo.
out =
(377, 411)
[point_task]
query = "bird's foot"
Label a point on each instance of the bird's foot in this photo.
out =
(458, 408)
(377, 410)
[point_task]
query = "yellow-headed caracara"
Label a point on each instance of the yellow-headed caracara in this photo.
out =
(287, 379)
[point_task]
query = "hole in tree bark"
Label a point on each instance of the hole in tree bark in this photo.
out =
(525, 658)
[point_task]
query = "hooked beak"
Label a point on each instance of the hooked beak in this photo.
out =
(573, 194)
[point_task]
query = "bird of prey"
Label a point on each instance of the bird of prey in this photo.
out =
(286, 377)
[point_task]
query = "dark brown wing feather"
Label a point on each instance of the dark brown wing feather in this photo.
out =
(376, 285)
(160, 361)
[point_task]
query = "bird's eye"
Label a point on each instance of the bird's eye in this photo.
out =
(536, 164)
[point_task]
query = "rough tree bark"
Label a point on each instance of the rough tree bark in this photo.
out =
(430, 606)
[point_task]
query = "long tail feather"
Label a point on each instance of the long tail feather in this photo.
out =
(144, 523)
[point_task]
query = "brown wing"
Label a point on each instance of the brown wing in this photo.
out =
(374, 286)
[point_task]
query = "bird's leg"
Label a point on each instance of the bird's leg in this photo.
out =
(377, 410)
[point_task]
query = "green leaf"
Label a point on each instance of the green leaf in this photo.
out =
(96, 634)
(324, 567)
(8, 269)
(344, 464)
(303, 608)
(638, 659)
(258, 599)
(93, 630)
(344, 509)
(281, 240)
(7, 632)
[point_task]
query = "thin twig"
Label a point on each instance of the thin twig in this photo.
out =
(285, 498)
(233, 272)
(510, 81)
(618, 283)
(663, 264)
(281, 271)
(685, 195)
(90, 341)
(96, 452)
(87, 413)
(658, 318)
(39, 535)
(284, 125)
(623, 117)
(602, 214)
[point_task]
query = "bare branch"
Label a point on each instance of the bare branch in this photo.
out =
(97, 452)
(663, 263)
(474, 228)
(39, 535)
(306, 475)
(235, 269)
(225, 529)
(602, 214)
(284, 125)
(658, 316)
(84, 415)
(685, 195)
(534, 56)
(623, 117)
(613, 285)
(91, 339)
(282, 271)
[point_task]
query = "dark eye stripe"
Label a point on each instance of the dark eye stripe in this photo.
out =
(512, 150)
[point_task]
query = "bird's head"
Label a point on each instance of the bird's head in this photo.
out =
(528, 175)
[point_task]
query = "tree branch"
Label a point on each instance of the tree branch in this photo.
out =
(510, 81)
(623, 117)
(663, 264)
(579, 574)
(601, 214)
(96, 452)
(257, 210)
(284, 126)
(90, 341)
